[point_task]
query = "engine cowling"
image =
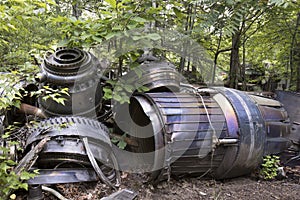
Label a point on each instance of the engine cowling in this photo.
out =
(76, 70)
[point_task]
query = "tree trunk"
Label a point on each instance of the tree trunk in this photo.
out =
(293, 55)
(57, 7)
(181, 64)
(216, 58)
(234, 61)
(297, 61)
(297, 53)
(243, 69)
(76, 10)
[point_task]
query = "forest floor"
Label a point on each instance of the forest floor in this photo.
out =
(247, 187)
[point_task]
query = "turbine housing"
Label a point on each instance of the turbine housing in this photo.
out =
(76, 70)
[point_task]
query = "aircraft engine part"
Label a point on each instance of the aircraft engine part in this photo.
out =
(76, 70)
(66, 155)
(291, 101)
(277, 122)
(155, 75)
(220, 131)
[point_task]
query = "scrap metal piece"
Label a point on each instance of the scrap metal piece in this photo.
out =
(66, 149)
(218, 131)
(278, 126)
(123, 194)
(63, 175)
(30, 158)
(35, 192)
(155, 75)
(31, 110)
(179, 129)
(95, 164)
(248, 153)
(291, 102)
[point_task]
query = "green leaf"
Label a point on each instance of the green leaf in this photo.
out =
(153, 36)
(110, 35)
(143, 89)
(97, 39)
(114, 140)
(51, 2)
(137, 37)
(107, 93)
(112, 3)
(63, 43)
(139, 19)
(129, 88)
(117, 97)
(178, 13)
(122, 144)
(12, 27)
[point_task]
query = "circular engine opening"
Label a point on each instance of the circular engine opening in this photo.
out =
(67, 56)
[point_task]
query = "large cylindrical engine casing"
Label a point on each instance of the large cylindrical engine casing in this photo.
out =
(223, 133)
(76, 70)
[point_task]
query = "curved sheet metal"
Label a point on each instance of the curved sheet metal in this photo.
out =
(186, 126)
(249, 152)
(278, 126)
(156, 76)
(63, 175)
(66, 148)
(223, 132)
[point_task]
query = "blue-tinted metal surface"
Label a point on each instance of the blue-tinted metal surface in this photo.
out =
(252, 136)
(68, 175)
(187, 134)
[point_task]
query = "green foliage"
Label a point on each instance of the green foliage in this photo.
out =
(23, 29)
(120, 141)
(57, 95)
(94, 26)
(269, 167)
(9, 180)
(10, 91)
(121, 90)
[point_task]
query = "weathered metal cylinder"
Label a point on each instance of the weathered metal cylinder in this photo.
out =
(220, 131)
(76, 70)
(155, 75)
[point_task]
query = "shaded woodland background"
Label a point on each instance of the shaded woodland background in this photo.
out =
(250, 43)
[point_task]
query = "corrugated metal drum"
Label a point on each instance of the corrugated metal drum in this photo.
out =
(221, 133)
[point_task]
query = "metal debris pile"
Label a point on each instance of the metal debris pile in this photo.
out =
(172, 129)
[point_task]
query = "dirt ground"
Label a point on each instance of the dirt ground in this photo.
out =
(249, 187)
